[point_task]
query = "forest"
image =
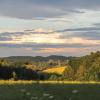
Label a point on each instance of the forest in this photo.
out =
(85, 68)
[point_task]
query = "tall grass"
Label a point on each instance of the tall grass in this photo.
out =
(2, 82)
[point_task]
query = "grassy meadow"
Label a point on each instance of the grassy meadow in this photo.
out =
(57, 70)
(10, 90)
(65, 79)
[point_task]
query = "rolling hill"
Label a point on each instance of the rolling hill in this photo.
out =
(57, 70)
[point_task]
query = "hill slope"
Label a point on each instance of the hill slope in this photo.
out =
(57, 70)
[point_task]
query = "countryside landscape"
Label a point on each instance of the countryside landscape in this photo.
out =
(44, 78)
(49, 49)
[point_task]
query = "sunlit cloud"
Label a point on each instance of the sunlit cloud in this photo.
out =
(43, 36)
(60, 50)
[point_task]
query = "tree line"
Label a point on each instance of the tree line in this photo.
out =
(85, 68)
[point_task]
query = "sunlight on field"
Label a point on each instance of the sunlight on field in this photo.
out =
(2, 82)
(57, 70)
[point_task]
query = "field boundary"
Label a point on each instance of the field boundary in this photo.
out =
(2, 82)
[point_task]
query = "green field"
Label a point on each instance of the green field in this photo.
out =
(49, 91)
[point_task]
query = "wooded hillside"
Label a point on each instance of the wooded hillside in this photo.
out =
(84, 68)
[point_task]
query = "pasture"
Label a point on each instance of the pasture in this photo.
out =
(47, 91)
(57, 70)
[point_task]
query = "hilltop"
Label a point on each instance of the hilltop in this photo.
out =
(37, 58)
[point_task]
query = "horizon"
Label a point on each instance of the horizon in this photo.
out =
(48, 55)
(38, 56)
(49, 27)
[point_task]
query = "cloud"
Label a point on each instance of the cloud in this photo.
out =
(97, 24)
(66, 27)
(39, 31)
(56, 50)
(28, 9)
(43, 36)
(81, 29)
(31, 36)
(91, 33)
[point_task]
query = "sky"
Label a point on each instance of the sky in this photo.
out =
(49, 27)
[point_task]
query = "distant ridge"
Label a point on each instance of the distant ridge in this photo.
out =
(37, 58)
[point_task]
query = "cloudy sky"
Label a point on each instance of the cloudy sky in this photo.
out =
(49, 27)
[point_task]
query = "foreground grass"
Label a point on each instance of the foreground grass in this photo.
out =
(29, 90)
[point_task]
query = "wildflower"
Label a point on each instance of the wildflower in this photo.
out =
(70, 98)
(46, 94)
(75, 91)
(34, 98)
(51, 97)
(22, 90)
(28, 93)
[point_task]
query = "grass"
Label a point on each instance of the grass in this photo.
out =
(35, 91)
(57, 70)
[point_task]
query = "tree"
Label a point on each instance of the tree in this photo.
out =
(80, 74)
(93, 73)
(59, 63)
(68, 74)
(14, 76)
(53, 77)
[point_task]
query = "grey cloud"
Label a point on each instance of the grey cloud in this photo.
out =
(92, 33)
(28, 9)
(96, 24)
(7, 36)
(11, 33)
(19, 49)
(81, 29)
(36, 46)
